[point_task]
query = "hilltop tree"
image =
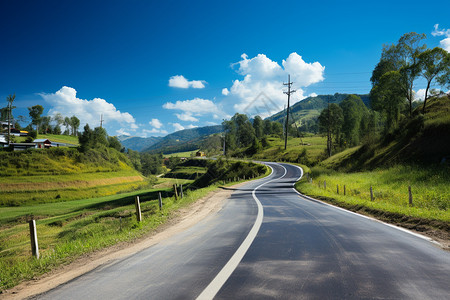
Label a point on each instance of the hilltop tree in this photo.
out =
(402, 57)
(435, 64)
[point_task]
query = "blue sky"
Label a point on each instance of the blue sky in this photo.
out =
(153, 67)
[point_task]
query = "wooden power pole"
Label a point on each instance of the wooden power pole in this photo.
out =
(288, 93)
(101, 121)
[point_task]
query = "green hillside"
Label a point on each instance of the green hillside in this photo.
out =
(184, 140)
(305, 112)
(425, 139)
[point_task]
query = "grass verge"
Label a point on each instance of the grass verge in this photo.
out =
(429, 186)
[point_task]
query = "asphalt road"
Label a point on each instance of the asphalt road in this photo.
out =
(269, 242)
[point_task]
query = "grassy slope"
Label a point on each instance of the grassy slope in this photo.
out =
(390, 167)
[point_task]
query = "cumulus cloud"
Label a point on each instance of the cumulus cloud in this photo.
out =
(445, 43)
(65, 101)
(156, 123)
(186, 117)
(261, 90)
(225, 92)
(193, 108)
(179, 81)
(177, 126)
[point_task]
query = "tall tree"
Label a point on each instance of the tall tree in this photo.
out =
(353, 110)
(67, 125)
(35, 113)
(75, 122)
(258, 126)
(330, 122)
(435, 64)
(404, 58)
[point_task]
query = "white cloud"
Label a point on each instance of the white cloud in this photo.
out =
(122, 131)
(155, 130)
(177, 126)
(225, 92)
(156, 123)
(192, 109)
(186, 117)
(261, 90)
(190, 126)
(445, 43)
(65, 101)
(312, 95)
(420, 95)
(179, 81)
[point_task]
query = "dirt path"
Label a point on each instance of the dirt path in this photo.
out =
(183, 219)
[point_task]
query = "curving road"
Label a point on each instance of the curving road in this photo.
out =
(270, 242)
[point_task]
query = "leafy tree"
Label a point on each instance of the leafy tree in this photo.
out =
(277, 129)
(113, 142)
(135, 158)
(390, 97)
(45, 124)
(435, 64)
(402, 57)
(86, 139)
(353, 110)
(330, 122)
(151, 164)
(267, 125)
(258, 126)
(35, 113)
(75, 123)
(67, 125)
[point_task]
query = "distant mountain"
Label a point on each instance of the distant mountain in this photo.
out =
(310, 108)
(138, 143)
(183, 140)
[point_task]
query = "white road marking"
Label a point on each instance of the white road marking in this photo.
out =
(216, 284)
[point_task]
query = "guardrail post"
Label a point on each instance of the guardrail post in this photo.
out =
(410, 196)
(160, 201)
(175, 192)
(33, 238)
(138, 209)
(371, 194)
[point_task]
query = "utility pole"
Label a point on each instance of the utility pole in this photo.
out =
(101, 121)
(288, 93)
(329, 141)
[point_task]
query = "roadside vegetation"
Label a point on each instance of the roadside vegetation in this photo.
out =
(69, 229)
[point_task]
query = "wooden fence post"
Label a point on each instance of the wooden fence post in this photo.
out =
(410, 196)
(138, 209)
(33, 238)
(175, 192)
(371, 194)
(160, 201)
(337, 188)
(325, 184)
(181, 191)
(344, 190)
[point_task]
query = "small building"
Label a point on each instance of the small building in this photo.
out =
(3, 141)
(200, 153)
(42, 143)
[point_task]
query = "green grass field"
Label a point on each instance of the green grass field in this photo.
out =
(182, 154)
(314, 145)
(430, 189)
